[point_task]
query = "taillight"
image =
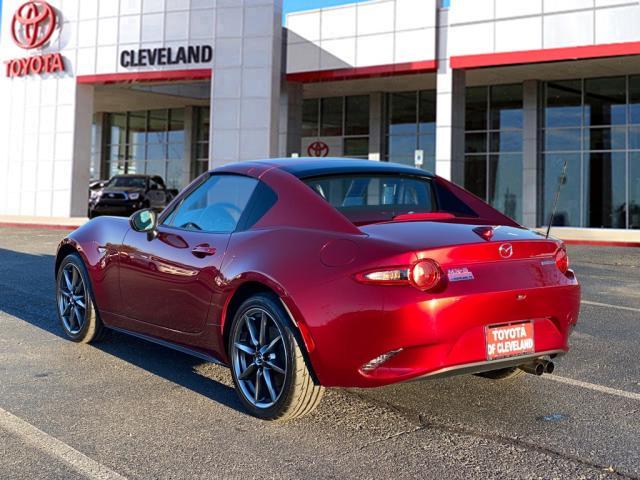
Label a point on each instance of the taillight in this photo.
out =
(424, 275)
(562, 260)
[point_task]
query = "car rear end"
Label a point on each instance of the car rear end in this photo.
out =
(453, 287)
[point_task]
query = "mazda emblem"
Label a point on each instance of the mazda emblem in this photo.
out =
(506, 250)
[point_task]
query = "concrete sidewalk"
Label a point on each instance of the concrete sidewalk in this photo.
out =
(56, 223)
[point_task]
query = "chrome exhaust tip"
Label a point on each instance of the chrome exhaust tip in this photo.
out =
(549, 367)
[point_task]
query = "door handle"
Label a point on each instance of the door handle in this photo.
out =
(202, 251)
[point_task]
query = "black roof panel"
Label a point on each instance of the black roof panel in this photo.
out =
(314, 167)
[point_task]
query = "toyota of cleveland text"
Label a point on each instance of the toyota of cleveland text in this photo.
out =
(304, 274)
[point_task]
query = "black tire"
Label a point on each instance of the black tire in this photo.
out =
(502, 374)
(90, 328)
(297, 394)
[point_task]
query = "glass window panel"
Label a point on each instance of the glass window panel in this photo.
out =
(476, 142)
(634, 100)
(564, 104)
(403, 146)
(606, 190)
(562, 140)
(174, 174)
(310, 118)
(476, 108)
(427, 112)
(509, 141)
(175, 151)
(634, 138)
(634, 190)
(157, 131)
(568, 211)
(137, 127)
(156, 168)
(356, 147)
(505, 184)
(203, 121)
(199, 168)
(155, 151)
(118, 127)
(331, 117)
(506, 107)
(475, 175)
(403, 159)
(357, 115)
(202, 151)
(403, 115)
(428, 144)
(176, 125)
(605, 101)
(605, 138)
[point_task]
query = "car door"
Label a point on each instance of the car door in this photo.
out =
(170, 279)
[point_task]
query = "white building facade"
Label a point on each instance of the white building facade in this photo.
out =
(494, 94)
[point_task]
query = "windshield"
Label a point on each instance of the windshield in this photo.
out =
(376, 198)
(128, 182)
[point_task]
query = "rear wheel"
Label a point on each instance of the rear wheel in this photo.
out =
(76, 309)
(502, 374)
(267, 365)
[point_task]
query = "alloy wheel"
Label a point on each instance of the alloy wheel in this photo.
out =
(72, 299)
(259, 358)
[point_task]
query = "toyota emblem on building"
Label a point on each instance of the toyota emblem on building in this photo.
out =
(33, 24)
(506, 250)
(318, 149)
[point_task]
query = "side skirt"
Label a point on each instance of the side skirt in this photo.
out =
(173, 346)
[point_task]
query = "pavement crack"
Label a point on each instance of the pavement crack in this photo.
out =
(391, 437)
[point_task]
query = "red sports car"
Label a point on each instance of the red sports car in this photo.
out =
(302, 274)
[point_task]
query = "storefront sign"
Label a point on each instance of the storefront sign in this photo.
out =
(32, 27)
(318, 149)
(152, 57)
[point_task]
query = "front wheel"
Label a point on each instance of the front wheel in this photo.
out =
(267, 365)
(76, 310)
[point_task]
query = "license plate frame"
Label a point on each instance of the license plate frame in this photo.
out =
(509, 340)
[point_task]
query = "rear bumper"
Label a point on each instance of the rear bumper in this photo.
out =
(440, 336)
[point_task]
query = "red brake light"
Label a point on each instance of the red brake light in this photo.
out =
(562, 260)
(425, 275)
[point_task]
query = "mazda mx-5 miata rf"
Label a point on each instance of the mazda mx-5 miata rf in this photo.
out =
(302, 274)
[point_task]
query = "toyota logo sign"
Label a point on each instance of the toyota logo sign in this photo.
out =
(506, 250)
(318, 149)
(33, 24)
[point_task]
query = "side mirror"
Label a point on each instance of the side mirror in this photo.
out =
(145, 221)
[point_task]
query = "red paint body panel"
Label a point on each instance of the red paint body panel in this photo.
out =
(309, 254)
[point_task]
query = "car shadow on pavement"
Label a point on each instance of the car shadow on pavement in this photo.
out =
(27, 293)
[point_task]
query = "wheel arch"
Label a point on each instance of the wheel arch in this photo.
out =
(65, 249)
(252, 287)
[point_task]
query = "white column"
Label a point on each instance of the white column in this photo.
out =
(376, 126)
(291, 99)
(530, 154)
(81, 162)
(245, 107)
(450, 110)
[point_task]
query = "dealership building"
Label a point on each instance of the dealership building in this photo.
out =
(495, 95)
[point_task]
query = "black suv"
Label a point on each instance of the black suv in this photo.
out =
(126, 194)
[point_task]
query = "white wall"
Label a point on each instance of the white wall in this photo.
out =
(494, 26)
(379, 32)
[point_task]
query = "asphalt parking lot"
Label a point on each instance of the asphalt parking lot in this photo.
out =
(126, 408)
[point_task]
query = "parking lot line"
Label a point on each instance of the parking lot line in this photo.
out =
(593, 386)
(608, 305)
(55, 448)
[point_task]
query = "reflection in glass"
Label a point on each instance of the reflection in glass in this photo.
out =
(605, 138)
(562, 140)
(137, 127)
(568, 212)
(357, 115)
(476, 108)
(605, 195)
(310, 111)
(427, 112)
(476, 142)
(506, 107)
(605, 101)
(475, 175)
(331, 116)
(356, 147)
(564, 104)
(505, 184)
(403, 114)
(634, 190)
(506, 141)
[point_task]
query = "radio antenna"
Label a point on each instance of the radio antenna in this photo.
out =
(562, 181)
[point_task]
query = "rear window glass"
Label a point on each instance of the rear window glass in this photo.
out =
(376, 198)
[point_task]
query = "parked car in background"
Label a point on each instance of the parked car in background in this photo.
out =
(124, 195)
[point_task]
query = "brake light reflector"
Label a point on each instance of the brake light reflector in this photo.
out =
(562, 260)
(425, 275)
(378, 361)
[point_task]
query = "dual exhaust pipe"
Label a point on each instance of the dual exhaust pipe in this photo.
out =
(539, 367)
